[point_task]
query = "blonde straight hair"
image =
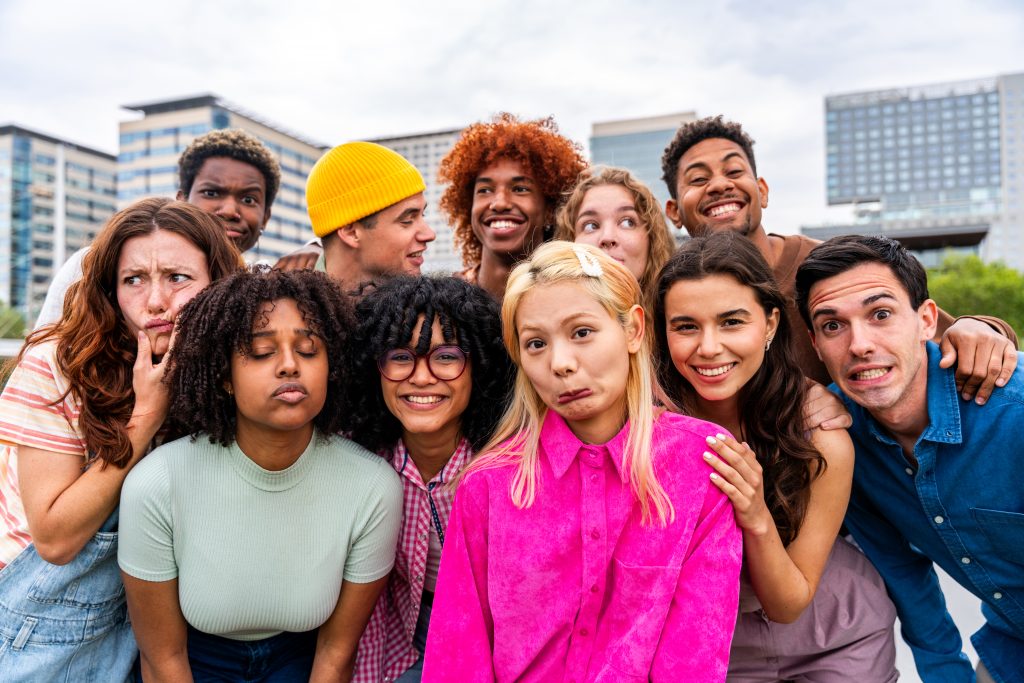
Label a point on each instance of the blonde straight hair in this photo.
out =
(517, 435)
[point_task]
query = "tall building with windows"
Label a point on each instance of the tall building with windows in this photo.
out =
(147, 162)
(937, 166)
(55, 196)
(425, 151)
(637, 145)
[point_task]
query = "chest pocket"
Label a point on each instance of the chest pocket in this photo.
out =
(1005, 532)
(89, 581)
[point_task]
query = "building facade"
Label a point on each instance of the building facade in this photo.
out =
(55, 196)
(638, 145)
(939, 167)
(425, 151)
(147, 162)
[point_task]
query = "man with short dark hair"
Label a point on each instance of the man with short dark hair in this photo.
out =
(713, 183)
(934, 477)
(366, 203)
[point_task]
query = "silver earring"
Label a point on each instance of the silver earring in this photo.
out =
(768, 343)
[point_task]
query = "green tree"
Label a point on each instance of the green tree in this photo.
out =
(12, 325)
(964, 285)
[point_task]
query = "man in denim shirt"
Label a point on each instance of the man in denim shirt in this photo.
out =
(937, 478)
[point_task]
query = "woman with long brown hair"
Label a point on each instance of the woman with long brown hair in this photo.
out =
(811, 606)
(81, 408)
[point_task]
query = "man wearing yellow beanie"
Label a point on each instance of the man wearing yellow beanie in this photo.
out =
(366, 204)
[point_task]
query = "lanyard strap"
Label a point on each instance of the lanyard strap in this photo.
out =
(434, 517)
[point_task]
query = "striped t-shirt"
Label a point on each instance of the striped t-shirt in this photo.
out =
(32, 413)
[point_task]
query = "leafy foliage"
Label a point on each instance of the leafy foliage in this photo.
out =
(964, 285)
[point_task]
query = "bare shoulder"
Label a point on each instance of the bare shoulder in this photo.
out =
(836, 447)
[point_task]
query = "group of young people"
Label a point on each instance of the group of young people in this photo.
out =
(586, 456)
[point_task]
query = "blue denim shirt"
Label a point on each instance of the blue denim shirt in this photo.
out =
(962, 508)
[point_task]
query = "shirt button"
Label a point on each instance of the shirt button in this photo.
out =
(909, 471)
(939, 519)
(997, 596)
(418, 578)
(595, 534)
(965, 560)
(593, 477)
(584, 632)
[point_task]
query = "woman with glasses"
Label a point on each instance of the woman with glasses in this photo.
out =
(429, 380)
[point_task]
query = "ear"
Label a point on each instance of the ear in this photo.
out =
(350, 234)
(928, 314)
(181, 196)
(672, 211)
(814, 345)
(635, 328)
(762, 187)
(266, 219)
(773, 323)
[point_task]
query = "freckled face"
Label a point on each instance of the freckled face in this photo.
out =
(576, 356)
(608, 220)
(157, 274)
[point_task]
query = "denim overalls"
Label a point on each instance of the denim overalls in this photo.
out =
(66, 623)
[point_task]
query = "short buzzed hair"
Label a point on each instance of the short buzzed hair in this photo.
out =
(231, 144)
(689, 134)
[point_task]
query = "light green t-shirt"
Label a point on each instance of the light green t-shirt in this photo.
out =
(258, 552)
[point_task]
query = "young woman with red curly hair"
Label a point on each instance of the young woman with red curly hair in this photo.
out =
(79, 411)
(505, 179)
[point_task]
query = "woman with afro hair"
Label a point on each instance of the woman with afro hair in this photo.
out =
(429, 381)
(256, 547)
(505, 179)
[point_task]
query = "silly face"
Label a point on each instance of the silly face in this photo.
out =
(608, 220)
(235, 192)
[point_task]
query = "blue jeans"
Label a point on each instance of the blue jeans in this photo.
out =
(66, 622)
(283, 658)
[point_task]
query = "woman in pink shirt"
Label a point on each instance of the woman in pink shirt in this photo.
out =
(587, 542)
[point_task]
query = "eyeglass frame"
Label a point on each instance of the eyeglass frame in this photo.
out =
(382, 359)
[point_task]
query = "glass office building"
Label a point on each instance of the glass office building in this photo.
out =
(55, 196)
(938, 166)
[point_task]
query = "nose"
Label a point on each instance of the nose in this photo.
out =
(719, 182)
(158, 297)
(607, 237)
(228, 209)
(563, 359)
(287, 362)
(421, 375)
(861, 341)
(710, 345)
(500, 200)
(425, 232)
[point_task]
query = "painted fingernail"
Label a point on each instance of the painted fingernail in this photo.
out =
(714, 476)
(707, 456)
(711, 441)
(720, 437)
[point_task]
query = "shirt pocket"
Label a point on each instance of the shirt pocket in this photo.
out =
(1005, 532)
(635, 616)
(91, 580)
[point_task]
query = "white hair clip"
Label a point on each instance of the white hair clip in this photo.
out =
(590, 265)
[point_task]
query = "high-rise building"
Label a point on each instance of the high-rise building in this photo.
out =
(147, 163)
(55, 196)
(425, 151)
(637, 145)
(936, 166)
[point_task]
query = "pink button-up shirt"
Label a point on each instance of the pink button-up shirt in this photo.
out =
(575, 588)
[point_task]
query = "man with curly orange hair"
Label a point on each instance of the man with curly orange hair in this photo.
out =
(505, 178)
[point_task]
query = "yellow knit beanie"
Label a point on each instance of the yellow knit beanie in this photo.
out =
(355, 180)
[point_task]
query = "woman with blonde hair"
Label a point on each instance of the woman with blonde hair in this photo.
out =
(586, 542)
(612, 210)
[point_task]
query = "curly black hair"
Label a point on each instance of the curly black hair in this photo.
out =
(233, 144)
(689, 134)
(387, 318)
(221, 320)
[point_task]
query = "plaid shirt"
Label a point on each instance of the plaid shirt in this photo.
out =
(386, 649)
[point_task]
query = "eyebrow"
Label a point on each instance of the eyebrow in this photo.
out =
(719, 316)
(262, 334)
(408, 213)
(593, 212)
(170, 268)
(866, 302)
(218, 183)
(515, 179)
(563, 321)
(701, 164)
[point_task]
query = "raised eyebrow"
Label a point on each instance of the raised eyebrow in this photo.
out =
(821, 312)
(876, 297)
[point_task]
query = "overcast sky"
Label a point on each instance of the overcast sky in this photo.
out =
(337, 71)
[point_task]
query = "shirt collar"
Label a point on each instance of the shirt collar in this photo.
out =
(563, 447)
(403, 464)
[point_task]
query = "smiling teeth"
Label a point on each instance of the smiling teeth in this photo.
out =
(424, 400)
(715, 372)
(723, 209)
(502, 225)
(870, 374)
